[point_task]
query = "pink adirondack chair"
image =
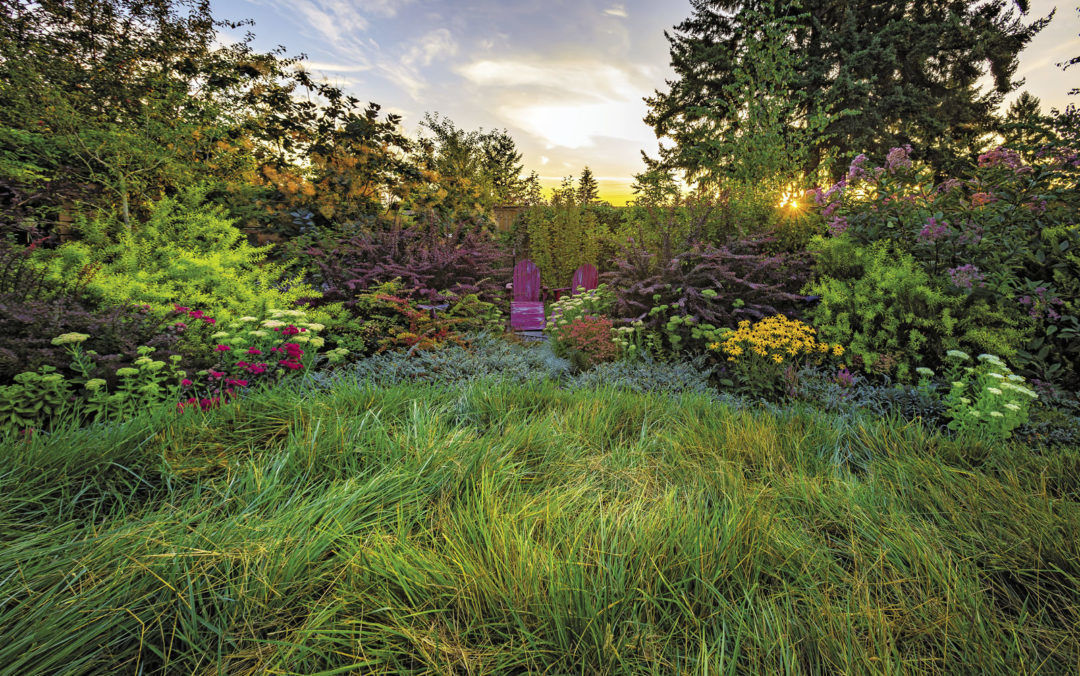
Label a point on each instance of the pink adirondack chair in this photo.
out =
(585, 277)
(526, 309)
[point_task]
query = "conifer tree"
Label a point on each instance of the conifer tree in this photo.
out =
(884, 73)
(588, 190)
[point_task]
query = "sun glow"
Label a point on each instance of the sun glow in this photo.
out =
(789, 199)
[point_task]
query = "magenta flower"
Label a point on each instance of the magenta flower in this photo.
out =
(252, 350)
(933, 231)
(222, 348)
(856, 170)
(185, 383)
(965, 276)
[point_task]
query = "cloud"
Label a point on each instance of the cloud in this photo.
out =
(436, 44)
(336, 67)
(567, 104)
(584, 78)
(406, 71)
(618, 10)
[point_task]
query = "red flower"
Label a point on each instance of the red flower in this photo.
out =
(209, 320)
(222, 348)
(252, 350)
(180, 309)
(290, 364)
(185, 383)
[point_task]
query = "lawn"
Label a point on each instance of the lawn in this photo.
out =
(523, 528)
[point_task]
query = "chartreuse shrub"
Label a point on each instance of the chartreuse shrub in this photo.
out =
(496, 528)
(187, 252)
(893, 316)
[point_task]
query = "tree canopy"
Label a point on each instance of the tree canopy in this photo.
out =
(884, 73)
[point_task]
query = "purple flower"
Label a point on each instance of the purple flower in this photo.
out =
(933, 231)
(1001, 157)
(856, 171)
(838, 226)
(949, 184)
(965, 277)
(844, 378)
(898, 158)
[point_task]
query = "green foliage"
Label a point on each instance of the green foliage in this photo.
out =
(187, 252)
(475, 170)
(882, 74)
(986, 401)
(561, 236)
(502, 528)
(39, 401)
(882, 305)
(34, 398)
(387, 317)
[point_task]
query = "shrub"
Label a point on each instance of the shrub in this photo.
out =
(648, 375)
(1002, 239)
(477, 357)
(888, 312)
(585, 341)
(34, 311)
(849, 393)
(426, 263)
(389, 316)
(186, 252)
(688, 297)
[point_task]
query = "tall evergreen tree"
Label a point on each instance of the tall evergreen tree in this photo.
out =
(1024, 122)
(884, 73)
(588, 189)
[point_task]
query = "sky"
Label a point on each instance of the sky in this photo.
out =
(565, 77)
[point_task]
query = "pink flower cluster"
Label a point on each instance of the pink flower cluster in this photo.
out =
(1003, 157)
(933, 230)
(292, 353)
(194, 314)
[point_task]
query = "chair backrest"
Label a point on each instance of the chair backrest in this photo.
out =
(526, 281)
(585, 277)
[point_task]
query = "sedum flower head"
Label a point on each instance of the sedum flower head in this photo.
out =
(126, 372)
(94, 384)
(958, 354)
(70, 338)
(923, 371)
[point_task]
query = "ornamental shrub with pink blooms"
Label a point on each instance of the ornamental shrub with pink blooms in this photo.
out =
(1001, 241)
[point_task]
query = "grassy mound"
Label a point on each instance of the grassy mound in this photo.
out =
(520, 529)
